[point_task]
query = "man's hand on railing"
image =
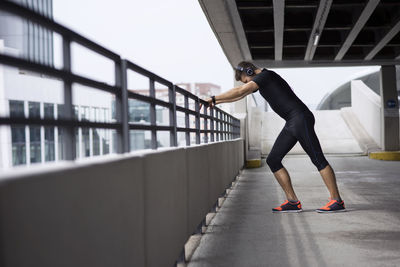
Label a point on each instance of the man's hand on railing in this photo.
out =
(209, 101)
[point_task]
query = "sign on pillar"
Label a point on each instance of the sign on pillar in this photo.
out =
(390, 109)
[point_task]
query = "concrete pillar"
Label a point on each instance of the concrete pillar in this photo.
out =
(390, 109)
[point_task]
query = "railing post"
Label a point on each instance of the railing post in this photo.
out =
(205, 120)
(121, 110)
(221, 125)
(237, 128)
(172, 116)
(187, 122)
(212, 124)
(225, 127)
(217, 126)
(230, 127)
(228, 119)
(68, 112)
(197, 108)
(153, 115)
(235, 123)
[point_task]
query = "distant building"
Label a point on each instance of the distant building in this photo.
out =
(32, 41)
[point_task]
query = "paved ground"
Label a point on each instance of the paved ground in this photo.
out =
(246, 233)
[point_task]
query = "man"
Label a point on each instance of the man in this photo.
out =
(299, 127)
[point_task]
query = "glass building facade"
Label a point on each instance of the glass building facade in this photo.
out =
(39, 144)
(31, 40)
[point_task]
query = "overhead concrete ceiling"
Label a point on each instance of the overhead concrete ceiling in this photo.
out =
(307, 33)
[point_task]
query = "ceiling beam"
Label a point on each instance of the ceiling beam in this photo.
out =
(239, 29)
(366, 13)
(257, 8)
(279, 11)
(319, 23)
(386, 39)
(219, 18)
(321, 63)
(300, 29)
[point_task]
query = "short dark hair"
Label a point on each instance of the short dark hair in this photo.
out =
(244, 65)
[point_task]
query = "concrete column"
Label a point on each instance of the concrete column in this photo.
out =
(390, 109)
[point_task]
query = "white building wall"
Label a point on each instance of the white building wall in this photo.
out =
(366, 105)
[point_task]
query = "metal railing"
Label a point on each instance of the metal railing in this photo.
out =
(226, 126)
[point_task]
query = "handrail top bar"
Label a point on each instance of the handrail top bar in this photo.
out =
(57, 73)
(189, 94)
(148, 99)
(149, 74)
(54, 26)
(58, 122)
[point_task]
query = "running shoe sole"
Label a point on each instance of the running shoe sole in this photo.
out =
(287, 211)
(330, 211)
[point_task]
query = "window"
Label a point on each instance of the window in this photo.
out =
(76, 130)
(139, 112)
(16, 109)
(31, 47)
(17, 134)
(35, 149)
(113, 110)
(34, 110)
(106, 142)
(61, 146)
(36, 44)
(85, 116)
(34, 133)
(137, 140)
(114, 142)
(49, 145)
(96, 132)
(96, 142)
(76, 112)
(18, 145)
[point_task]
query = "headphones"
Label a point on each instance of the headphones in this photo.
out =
(248, 71)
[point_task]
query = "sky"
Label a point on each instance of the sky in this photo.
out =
(174, 40)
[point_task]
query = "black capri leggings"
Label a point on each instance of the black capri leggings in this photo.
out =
(300, 128)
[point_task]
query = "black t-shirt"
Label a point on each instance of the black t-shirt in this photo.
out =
(278, 94)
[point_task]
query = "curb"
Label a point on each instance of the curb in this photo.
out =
(253, 163)
(385, 155)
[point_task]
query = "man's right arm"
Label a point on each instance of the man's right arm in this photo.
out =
(234, 94)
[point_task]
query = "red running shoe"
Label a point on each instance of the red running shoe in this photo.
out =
(332, 206)
(288, 206)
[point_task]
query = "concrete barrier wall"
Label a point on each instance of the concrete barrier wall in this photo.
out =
(366, 105)
(128, 210)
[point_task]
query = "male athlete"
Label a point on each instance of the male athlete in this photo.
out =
(299, 127)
